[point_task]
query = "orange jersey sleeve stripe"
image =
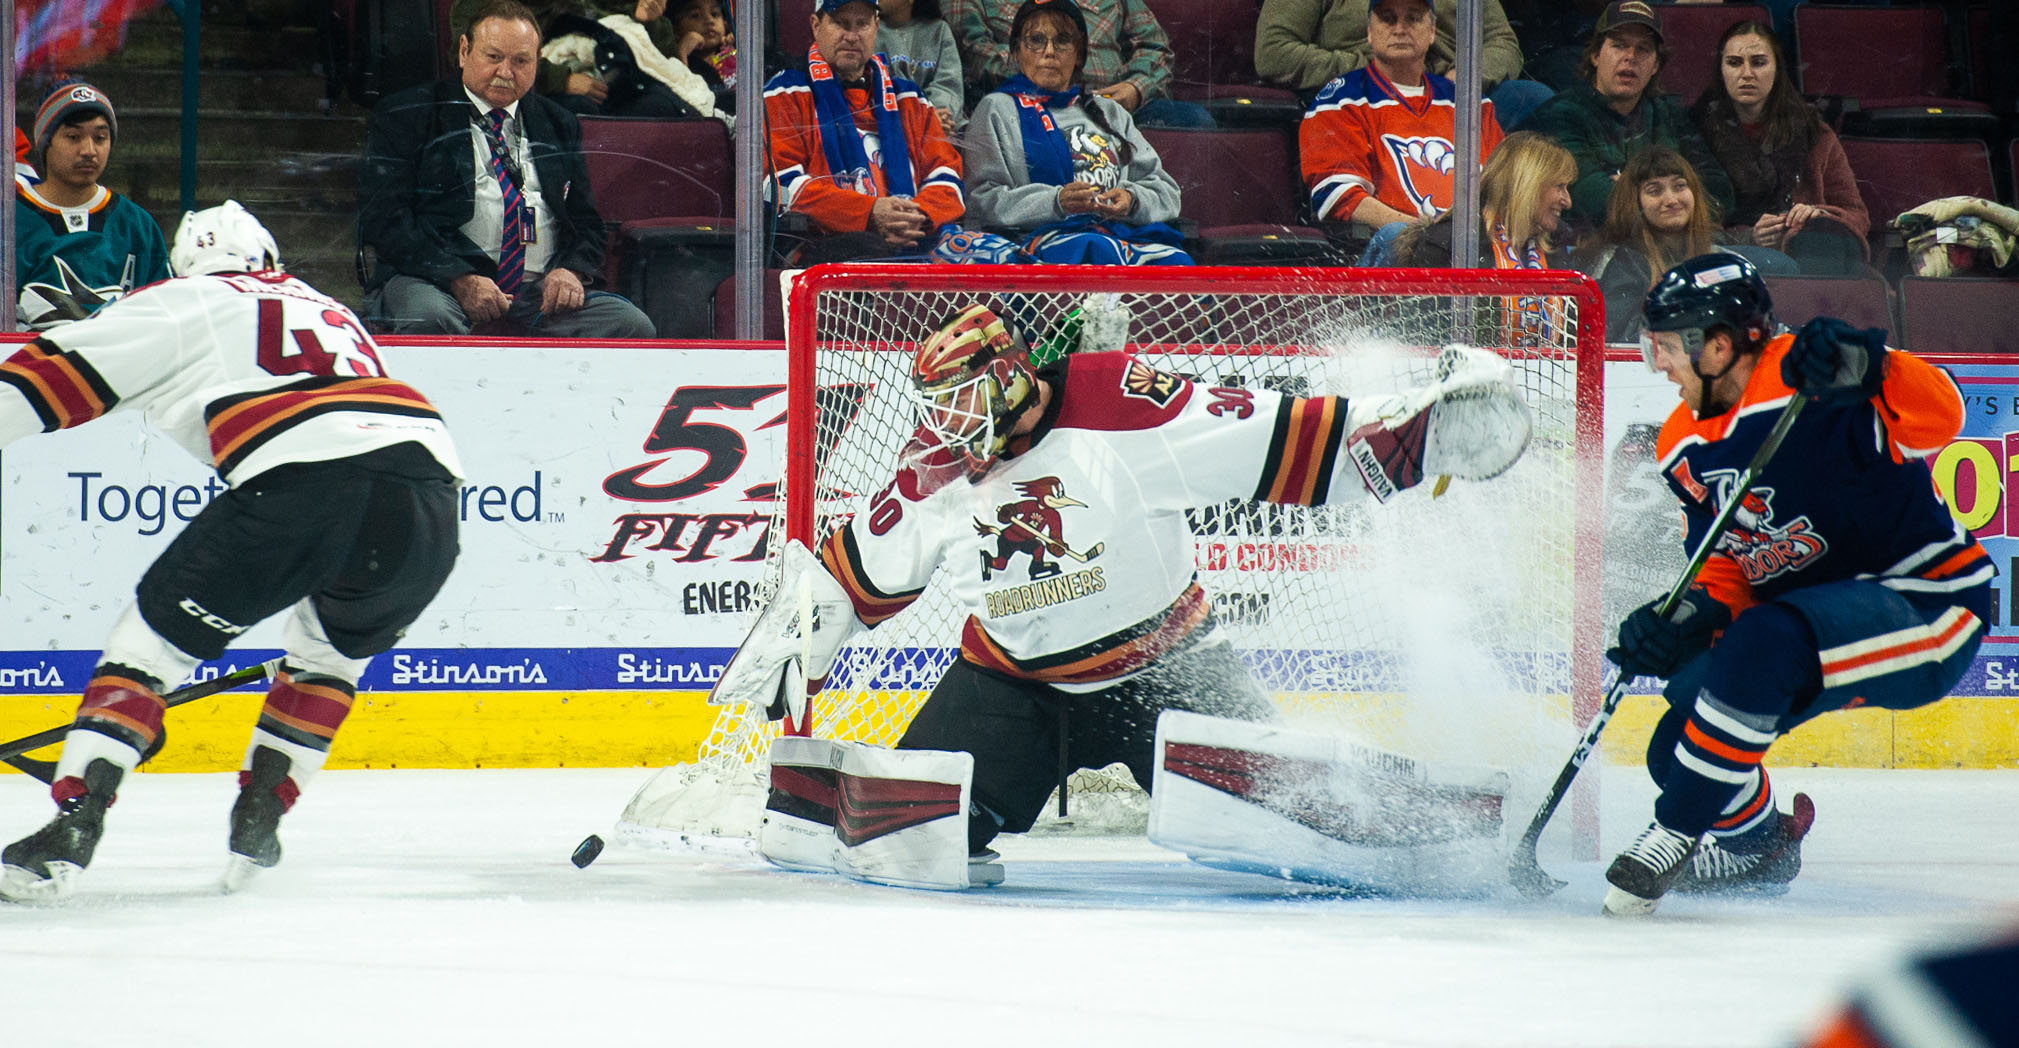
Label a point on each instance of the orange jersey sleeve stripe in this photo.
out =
(1302, 451)
(239, 425)
(839, 555)
(63, 388)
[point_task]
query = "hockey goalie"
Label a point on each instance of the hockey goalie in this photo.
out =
(1054, 496)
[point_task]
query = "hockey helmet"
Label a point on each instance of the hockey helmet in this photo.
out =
(970, 380)
(1709, 291)
(222, 239)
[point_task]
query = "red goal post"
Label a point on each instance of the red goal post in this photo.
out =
(850, 330)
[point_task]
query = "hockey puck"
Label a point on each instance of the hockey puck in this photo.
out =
(586, 852)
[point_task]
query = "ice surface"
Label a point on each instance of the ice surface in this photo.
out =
(439, 908)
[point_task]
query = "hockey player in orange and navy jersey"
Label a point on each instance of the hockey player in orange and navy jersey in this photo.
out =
(855, 149)
(1377, 142)
(340, 509)
(1845, 583)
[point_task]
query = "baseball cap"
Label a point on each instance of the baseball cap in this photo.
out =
(828, 7)
(1628, 12)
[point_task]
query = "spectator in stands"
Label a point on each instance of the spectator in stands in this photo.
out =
(77, 244)
(861, 155)
(1657, 217)
(1128, 56)
(704, 39)
(1523, 193)
(1065, 167)
(1618, 110)
(1377, 143)
(919, 45)
(1306, 44)
(475, 195)
(596, 89)
(1794, 187)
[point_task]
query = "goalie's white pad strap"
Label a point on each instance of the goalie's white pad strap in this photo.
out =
(894, 817)
(758, 670)
(1272, 799)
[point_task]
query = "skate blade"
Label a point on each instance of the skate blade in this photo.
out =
(1622, 903)
(21, 885)
(238, 873)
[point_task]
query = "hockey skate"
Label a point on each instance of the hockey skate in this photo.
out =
(1469, 422)
(1645, 871)
(255, 818)
(1715, 870)
(44, 866)
(983, 871)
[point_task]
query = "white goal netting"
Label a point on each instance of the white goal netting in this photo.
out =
(1453, 626)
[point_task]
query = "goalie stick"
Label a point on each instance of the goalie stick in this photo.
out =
(45, 771)
(1524, 871)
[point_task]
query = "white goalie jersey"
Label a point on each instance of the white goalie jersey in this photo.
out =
(244, 371)
(1072, 553)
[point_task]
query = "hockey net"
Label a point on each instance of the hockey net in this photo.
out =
(1456, 626)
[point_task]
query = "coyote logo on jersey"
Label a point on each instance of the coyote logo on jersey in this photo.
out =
(1425, 167)
(1762, 548)
(1032, 526)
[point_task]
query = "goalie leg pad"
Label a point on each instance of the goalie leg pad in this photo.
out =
(896, 817)
(1323, 808)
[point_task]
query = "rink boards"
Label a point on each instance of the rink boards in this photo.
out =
(613, 521)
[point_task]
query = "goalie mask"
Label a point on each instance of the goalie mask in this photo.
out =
(222, 239)
(970, 381)
(1704, 293)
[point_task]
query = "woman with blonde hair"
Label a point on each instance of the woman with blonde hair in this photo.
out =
(1657, 216)
(1523, 192)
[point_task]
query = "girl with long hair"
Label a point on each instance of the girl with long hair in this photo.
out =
(1794, 187)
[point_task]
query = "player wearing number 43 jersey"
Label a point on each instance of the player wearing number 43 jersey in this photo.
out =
(341, 507)
(1844, 581)
(1055, 498)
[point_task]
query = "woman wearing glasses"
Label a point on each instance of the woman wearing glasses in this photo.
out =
(1063, 169)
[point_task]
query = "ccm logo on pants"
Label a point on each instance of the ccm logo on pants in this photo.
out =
(200, 613)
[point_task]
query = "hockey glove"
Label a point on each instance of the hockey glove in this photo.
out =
(1835, 362)
(1651, 646)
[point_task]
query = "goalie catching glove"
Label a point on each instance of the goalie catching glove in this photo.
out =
(1469, 422)
(806, 623)
(1652, 646)
(1835, 362)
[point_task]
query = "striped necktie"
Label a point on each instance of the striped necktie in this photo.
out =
(512, 242)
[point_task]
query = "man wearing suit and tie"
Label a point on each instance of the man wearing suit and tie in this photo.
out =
(475, 196)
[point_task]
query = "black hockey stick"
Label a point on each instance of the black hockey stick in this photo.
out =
(11, 752)
(1523, 870)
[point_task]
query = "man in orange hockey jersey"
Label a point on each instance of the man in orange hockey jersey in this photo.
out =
(1845, 582)
(1377, 142)
(856, 150)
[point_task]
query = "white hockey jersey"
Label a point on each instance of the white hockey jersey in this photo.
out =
(1072, 553)
(246, 371)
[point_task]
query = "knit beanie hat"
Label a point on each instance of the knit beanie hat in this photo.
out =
(69, 100)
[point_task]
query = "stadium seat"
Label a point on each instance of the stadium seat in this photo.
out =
(1863, 301)
(774, 314)
(665, 191)
(1213, 59)
(1240, 185)
(1691, 32)
(1899, 174)
(1959, 315)
(2012, 173)
(1892, 61)
(793, 26)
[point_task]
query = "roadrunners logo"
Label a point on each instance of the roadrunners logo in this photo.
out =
(1157, 387)
(1763, 548)
(1032, 527)
(1425, 166)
